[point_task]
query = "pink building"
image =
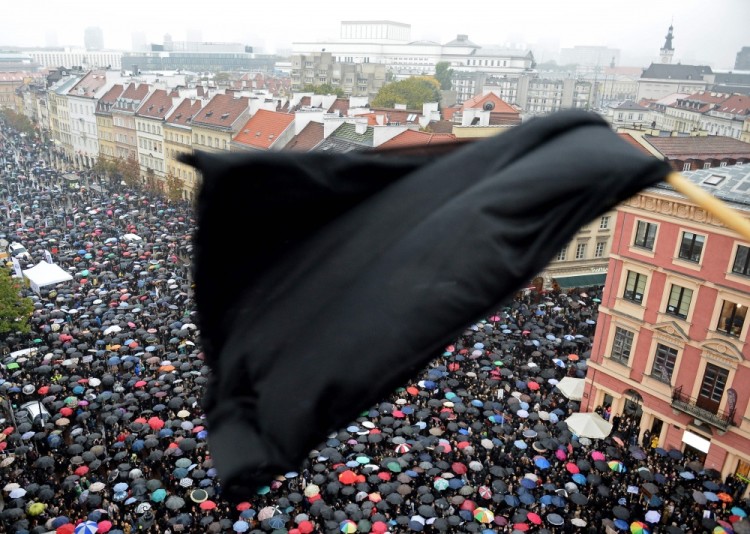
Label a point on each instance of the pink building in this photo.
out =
(671, 341)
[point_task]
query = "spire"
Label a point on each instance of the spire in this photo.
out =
(668, 41)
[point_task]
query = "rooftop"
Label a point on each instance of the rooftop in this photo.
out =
(414, 138)
(222, 111)
(731, 184)
(664, 71)
(157, 106)
(309, 138)
(710, 147)
(185, 111)
(490, 102)
(89, 85)
(263, 129)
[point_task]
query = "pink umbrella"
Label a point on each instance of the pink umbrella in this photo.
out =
(560, 454)
(596, 456)
(104, 526)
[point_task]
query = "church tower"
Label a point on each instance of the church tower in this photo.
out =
(667, 51)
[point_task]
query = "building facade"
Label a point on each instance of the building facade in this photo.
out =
(355, 79)
(82, 101)
(104, 125)
(671, 340)
(216, 124)
(149, 127)
(123, 120)
(178, 140)
(77, 57)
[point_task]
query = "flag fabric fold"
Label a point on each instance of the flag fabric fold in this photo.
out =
(325, 281)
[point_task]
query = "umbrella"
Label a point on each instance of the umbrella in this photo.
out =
(638, 527)
(86, 527)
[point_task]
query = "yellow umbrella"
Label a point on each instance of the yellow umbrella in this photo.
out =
(36, 508)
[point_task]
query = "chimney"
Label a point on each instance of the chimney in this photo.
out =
(360, 126)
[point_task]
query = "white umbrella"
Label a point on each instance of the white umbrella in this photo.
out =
(589, 425)
(572, 388)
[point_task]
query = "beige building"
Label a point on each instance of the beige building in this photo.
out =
(215, 125)
(104, 127)
(178, 139)
(355, 79)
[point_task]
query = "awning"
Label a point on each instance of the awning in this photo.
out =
(696, 441)
(581, 280)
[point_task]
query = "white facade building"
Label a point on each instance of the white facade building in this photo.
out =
(77, 57)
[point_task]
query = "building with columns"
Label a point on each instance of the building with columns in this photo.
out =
(671, 345)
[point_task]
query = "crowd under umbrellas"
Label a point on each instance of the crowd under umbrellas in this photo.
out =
(478, 443)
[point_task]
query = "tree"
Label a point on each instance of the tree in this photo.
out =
(130, 171)
(174, 188)
(412, 91)
(444, 75)
(18, 121)
(15, 310)
(323, 89)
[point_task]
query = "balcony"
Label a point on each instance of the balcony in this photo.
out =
(690, 406)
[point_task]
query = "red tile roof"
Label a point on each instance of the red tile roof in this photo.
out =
(132, 97)
(416, 138)
(263, 129)
(398, 116)
(736, 105)
(711, 147)
(89, 85)
(185, 111)
(157, 106)
(310, 137)
(499, 105)
(109, 98)
(449, 112)
(222, 111)
(341, 105)
(440, 126)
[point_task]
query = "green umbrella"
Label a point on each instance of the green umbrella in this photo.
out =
(159, 495)
(363, 460)
(12, 365)
(37, 340)
(394, 467)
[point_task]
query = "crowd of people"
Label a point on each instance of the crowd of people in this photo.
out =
(103, 429)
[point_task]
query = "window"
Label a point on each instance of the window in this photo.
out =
(580, 251)
(621, 346)
(686, 167)
(635, 286)
(562, 254)
(664, 361)
(706, 165)
(691, 246)
(732, 318)
(742, 261)
(599, 250)
(604, 223)
(679, 301)
(645, 235)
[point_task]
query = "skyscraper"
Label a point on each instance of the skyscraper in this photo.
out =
(93, 38)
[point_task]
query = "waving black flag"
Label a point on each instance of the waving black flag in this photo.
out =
(326, 281)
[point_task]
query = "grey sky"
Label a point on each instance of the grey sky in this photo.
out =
(706, 31)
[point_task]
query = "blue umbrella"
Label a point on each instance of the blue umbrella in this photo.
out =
(455, 483)
(528, 483)
(541, 462)
(621, 524)
(546, 500)
(660, 451)
(137, 445)
(277, 522)
(87, 527)
(526, 498)
(121, 486)
(558, 501)
(241, 526)
(578, 478)
(477, 403)
(60, 521)
(519, 444)
(687, 475)
(711, 496)
(512, 500)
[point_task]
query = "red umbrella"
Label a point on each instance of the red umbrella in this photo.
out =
(8, 430)
(572, 468)
(468, 505)
(208, 505)
(534, 518)
(459, 468)
(67, 412)
(378, 527)
(305, 527)
(104, 526)
(383, 475)
(523, 527)
(43, 390)
(82, 470)
(244, 506)
(140, 384)
(533, 385)
(348, 477)
(155, 423)
(67, 528)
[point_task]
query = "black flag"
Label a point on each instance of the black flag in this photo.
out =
(325, 281)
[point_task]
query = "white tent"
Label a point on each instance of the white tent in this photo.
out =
(589, 425)
(45, 274)
(572, 388)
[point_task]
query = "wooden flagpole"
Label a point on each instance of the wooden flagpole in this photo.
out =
(711, 204)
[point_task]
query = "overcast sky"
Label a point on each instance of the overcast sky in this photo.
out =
(706, 31)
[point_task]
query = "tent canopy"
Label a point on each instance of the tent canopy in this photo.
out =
(589, 425)
(45, 274)
(572, 388)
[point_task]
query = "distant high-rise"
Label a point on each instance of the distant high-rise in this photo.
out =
(93, 38)
(743, 59)
(138, 42)
(667, 51)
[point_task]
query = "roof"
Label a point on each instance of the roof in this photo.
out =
(222, 111)
(109, 98)
(309, 138)
(736, 105)
(184, 112)
(711, 147)
(732, 78)
(449, 112)
(490, 102)
(345, 139)
(732, 183)
(398, 116)
(700, 102)
(341, 105)
(263, 129)
(461, 40)
(157, 106)
(414, 137)
(629, 105)
(89, 85)
(443, 126)
(665, 71)
(131, 97)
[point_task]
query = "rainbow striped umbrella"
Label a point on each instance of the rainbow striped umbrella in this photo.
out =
(617, 467)
(638, 527)
(483, 515)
